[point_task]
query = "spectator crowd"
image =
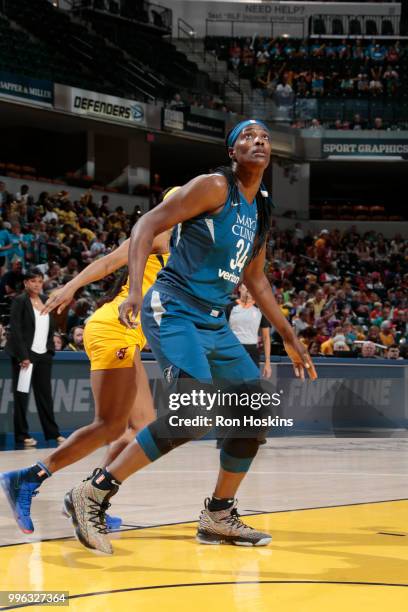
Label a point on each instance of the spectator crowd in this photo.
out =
(357, 123)
(60, 237)
(286, 68)
(185, 100)
(344, 293)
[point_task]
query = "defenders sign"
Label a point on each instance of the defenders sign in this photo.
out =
(334, 147)
(100, 106)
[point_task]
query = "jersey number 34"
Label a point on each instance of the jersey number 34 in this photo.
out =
(242, 256)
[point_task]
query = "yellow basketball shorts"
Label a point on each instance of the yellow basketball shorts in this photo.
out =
(109, 344)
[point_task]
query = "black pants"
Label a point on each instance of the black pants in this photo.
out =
(253, 352)
(41, 384)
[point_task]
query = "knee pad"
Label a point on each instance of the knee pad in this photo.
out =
(154, 446)
(160, 437)
(237, 454)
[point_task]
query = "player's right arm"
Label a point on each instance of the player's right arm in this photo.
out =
(204, 194)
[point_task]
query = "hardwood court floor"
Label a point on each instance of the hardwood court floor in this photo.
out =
(339, 543)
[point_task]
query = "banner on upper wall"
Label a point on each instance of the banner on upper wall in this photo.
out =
(172, 119)
(18, 86)
(267, 18)
(207, 126)
(100, 106)
(233, 11)
(193, 121)
(338, 147)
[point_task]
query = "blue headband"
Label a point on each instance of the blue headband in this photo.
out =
(235, 132)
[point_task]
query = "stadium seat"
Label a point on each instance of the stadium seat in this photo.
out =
(319, 26)
(337, 26)
(329, 211)
(355, 27)
(13, 167)
(387, 28)
(360, 212)
(371, 27)
(345, 211)
(315, 211)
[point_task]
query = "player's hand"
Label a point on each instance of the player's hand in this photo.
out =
(129, 309)
(25, 363)
(267, 370)
(300, 358)
(60, 299)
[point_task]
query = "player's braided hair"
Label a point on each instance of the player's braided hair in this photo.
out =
(118, 281)
(264, 206)
(121, 275)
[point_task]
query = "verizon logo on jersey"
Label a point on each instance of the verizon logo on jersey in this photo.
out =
(229, 276)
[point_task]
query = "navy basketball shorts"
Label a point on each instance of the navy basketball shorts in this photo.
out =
(185, 338)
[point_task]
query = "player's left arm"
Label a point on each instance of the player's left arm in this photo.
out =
(97, 269)
(261, 290)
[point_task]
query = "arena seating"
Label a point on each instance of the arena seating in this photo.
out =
(147, 47)
(356, 211)
(20, 54)
(117, 58)
(318, 67)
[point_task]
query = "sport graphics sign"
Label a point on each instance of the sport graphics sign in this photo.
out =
(101, 106)
(365, 147)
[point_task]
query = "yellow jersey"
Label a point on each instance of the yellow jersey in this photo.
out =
(109, 310)
(108, 343)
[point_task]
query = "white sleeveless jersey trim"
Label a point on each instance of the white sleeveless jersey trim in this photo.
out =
(210, 225)
(157, 307)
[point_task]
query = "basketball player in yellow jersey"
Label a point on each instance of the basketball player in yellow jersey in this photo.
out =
(123, 402)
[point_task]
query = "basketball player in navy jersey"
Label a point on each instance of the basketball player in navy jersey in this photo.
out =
(222, 221)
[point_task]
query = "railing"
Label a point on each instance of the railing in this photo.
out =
(162, 16)
(237, 28)
(186, 32)
(63, 4)
(237, 89)
(329, 110)
(146, 12)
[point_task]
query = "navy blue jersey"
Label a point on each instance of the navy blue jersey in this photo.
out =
(209, 252)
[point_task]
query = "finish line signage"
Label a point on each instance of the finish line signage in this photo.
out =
(333, 147)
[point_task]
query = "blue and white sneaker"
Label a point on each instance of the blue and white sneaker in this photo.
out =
(20, 487)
